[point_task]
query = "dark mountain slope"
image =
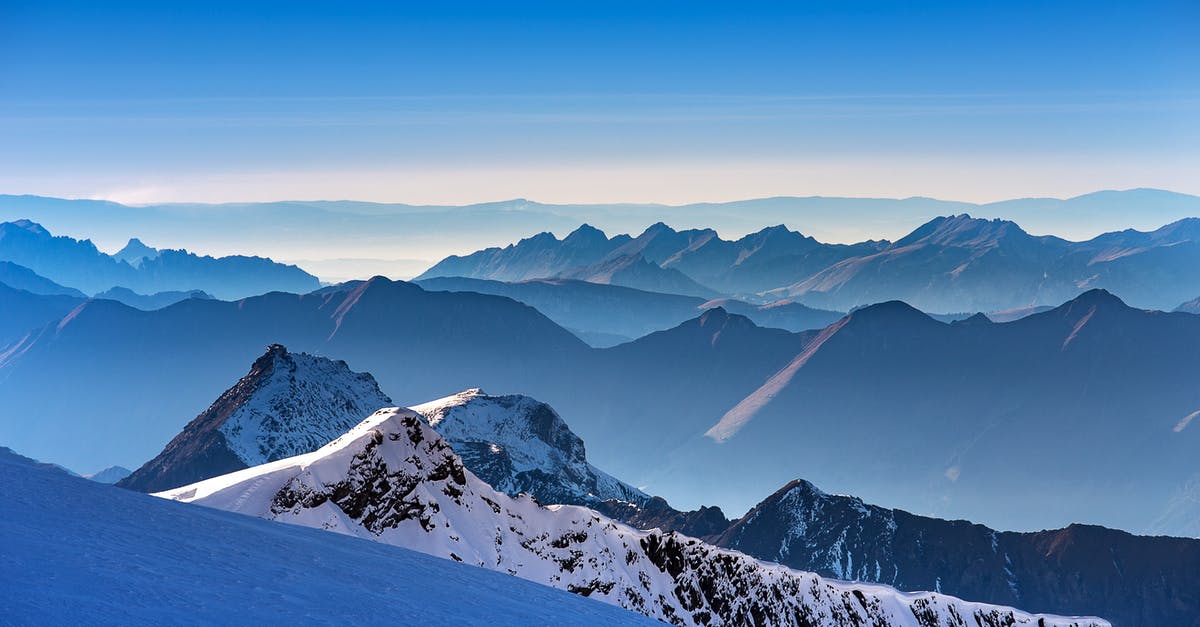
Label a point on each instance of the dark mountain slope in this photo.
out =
(22, 311)
(144, 372)
(1135, 581)
(23, 278)
(627, 312)
(1065, 407)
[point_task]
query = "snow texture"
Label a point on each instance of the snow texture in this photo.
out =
(75, 552)
(393, 479)
(518, 444)
(305, 402)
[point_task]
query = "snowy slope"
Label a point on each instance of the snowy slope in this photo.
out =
(394, 480)
(518, 444)
(275, 422)
(288, 404)
(75, 552)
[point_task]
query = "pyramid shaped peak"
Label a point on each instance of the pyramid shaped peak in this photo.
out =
(586, 234)
(657, 228)
(1099, 297)
(26, 224)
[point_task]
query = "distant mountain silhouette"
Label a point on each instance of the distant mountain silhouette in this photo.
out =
(1089, 399)
(660, 259)
(540, 256)
(143, 373)
(22, 311)
(636, 272)
(622, 313)
(1192, 306)
(960, 262)
(149, 302)
(79, 264)
(1082, 569)
(135, 252)
(952, 417)
(949, 264)
(22, 278)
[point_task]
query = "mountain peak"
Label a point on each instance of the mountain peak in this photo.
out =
(31, 226)
(962, 230)
(135, 251)
(1098, 298)
(977, 318)
(586, 233)
(288, 404)
(889, 312)
(656, 229)
(518, 444)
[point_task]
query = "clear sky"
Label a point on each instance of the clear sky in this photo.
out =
(453, 102)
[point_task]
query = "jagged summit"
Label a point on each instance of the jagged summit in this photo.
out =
(962, 230)
(135, 251)
(1097, 296)
(518, 444)
(393, 479)
(31, 226)
(288, 404)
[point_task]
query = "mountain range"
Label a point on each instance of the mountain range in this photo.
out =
(80, 265)
(317, 230)
(394, 480)
(1130, 580)
(949, 264)
(519, 445)
(605, 314)
(887, 403)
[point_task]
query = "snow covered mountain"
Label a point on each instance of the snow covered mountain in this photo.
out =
(76, 552)
(394, 480)
(288, 404)
(518, 444)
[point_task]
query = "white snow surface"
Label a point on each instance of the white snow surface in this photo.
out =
(534, 437)
(76, 552)
(394, 480)
(303, 403)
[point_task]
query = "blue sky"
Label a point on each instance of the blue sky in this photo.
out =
(601, 102)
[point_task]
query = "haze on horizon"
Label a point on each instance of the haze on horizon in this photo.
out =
(463, 102)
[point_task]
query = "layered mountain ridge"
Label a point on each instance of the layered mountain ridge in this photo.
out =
(949, 264)
(392, 479)
(79, 264)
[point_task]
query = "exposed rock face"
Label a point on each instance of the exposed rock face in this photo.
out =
(394, 480)
(1131, 580)
(517, 444)
(706, 523)
(288, 404)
